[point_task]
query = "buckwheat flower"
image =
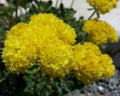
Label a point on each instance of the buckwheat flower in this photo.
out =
(62, 30)
(103, 6)
(86, 62)
(53, 54)
(55, 58)
(107, 66)
(18, 54)
(53, 39)
(42, 40)
(100, 32)
(90, 64)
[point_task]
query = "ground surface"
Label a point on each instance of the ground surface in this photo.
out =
(106, 87)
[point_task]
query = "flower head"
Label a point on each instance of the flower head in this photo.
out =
(103, 6)
(55, 58)
(18, 54)
(62, 30)
(42, 40)
(108, 68)
(100, 32)
(89, 65)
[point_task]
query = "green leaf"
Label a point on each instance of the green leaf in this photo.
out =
(33, 71)
(2, 9)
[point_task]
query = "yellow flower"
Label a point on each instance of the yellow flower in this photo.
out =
(108, 68)
(18, 54)
(46, 40)
(86, 62)
(103, 6)
(100, 32)
(62, 30)
(90, 64)
(55, 58)
(49, 42)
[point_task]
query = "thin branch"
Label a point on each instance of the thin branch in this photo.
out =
(56, 3)
(98, 14)
(92, 15)
(72, 3)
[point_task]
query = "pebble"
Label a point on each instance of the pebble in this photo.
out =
(100, 88)
(103, 87)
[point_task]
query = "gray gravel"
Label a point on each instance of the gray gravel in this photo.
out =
(103, 87)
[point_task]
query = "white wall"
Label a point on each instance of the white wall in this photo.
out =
(81, 7)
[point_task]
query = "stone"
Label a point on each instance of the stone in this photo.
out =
(101, 90)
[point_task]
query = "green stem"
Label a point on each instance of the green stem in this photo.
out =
(98, 14)
(72, 3)
(92, 15)
(56, 3)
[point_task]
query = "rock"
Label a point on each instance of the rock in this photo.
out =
(112, 83)
(117, 60)
(114, 51)
(101, 90)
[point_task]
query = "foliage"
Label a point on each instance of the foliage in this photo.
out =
(34, 82)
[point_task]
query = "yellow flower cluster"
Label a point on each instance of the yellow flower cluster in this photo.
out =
(17, 53)
(50, 42)
(103, 6)
(45, 39)
(90, 64)
(100, 32)
(56, 59)
(105, 62)
(62, 30)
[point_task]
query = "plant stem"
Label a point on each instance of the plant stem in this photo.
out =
(98, 15)
(92, 15)
(56, 3)
(72, 3)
